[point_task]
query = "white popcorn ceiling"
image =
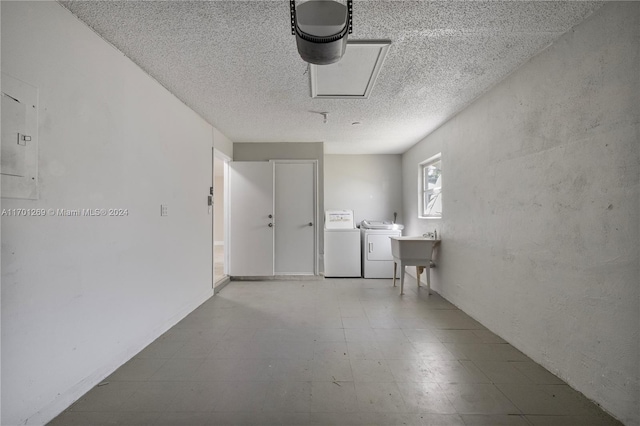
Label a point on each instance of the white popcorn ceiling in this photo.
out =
(236, 64)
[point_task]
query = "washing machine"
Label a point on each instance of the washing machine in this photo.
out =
(377, 261)
(341, 244)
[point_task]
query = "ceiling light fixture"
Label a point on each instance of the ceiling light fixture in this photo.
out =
(321, 28)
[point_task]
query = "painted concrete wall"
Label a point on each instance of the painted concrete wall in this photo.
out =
(222, 143)
(370, 185)
(541, 208)
(81, 295)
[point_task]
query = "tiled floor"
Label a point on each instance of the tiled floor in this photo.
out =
(332, 352)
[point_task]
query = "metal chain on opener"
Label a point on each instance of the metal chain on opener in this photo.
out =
(292, 7)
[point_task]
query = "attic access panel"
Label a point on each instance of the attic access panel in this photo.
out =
(353, 76)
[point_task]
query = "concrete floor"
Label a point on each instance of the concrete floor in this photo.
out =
(338, 351)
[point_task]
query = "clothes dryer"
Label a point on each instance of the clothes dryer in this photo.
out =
(377, 261)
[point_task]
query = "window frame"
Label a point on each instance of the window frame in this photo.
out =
(424, 190)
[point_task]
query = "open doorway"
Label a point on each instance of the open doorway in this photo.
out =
(220, 255)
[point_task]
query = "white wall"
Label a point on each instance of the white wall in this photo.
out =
(81, 295)
(370, 185)
(541, 208)
(222, 143)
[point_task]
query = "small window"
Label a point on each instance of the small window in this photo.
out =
(430, 192)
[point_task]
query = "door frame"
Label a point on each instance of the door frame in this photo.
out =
(316, 235)
(217, 154)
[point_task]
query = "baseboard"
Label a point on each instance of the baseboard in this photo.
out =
(280, 278)
(223, 283)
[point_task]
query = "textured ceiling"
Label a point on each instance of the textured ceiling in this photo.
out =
(236, 63)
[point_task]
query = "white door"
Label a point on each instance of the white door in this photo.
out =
(219, 211)
(250, 208)
(295, 215)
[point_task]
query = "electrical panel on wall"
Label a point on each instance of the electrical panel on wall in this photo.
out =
(19, 156)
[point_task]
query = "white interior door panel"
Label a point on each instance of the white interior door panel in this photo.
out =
(295, 214)
(250, 205)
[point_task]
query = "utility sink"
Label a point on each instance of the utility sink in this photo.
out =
(412, 251)
(412, 247)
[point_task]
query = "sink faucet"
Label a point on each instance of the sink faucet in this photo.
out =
(395, 215)
(433, 235)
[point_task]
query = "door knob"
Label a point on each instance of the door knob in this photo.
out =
(271, 225)
(310, 223)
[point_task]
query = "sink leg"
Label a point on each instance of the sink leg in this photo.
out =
(395, 268)
(418, 275)
(428, 272)
(401, 278)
